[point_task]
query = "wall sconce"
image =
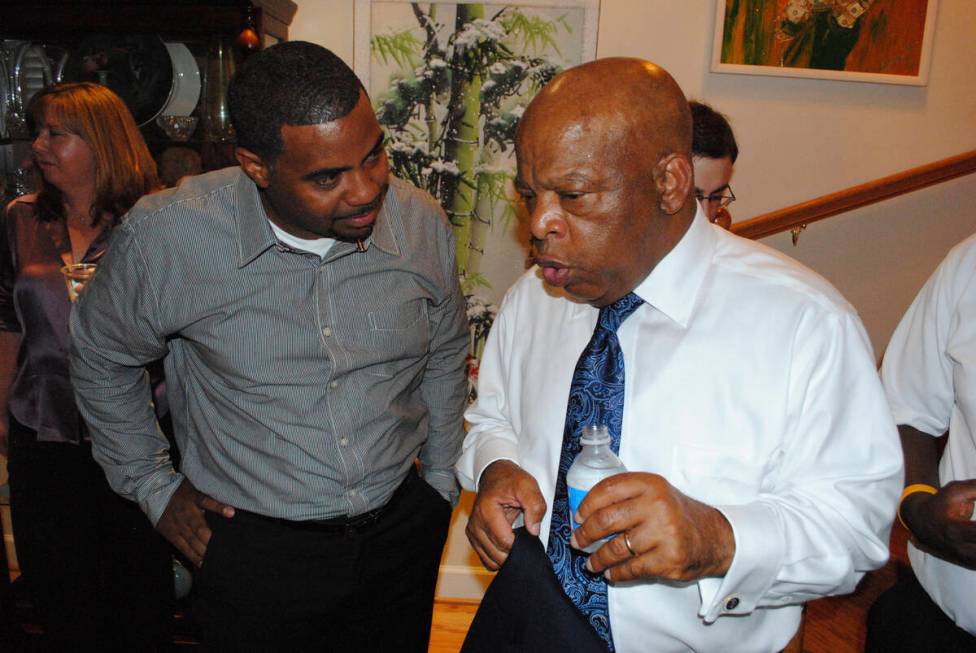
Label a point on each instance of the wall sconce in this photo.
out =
(248, 40)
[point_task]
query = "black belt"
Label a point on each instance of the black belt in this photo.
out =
(336, 523)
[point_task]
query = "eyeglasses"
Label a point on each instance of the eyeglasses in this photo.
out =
(723, 200)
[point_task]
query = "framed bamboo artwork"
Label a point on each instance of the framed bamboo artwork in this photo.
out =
(886, 41)
(449, 82)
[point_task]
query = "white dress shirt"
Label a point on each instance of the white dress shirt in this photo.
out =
(750, 386)
(928, 373)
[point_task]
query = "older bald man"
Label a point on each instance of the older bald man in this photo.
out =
(764, 465)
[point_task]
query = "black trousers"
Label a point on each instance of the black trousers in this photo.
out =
(100, 577)
(272, 585)
(905, 620)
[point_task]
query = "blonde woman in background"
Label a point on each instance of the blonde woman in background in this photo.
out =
(99, 575)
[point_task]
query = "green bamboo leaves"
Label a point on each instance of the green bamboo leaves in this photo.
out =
(464, 74)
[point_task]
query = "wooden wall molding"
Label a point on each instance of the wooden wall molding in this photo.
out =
(800, 215)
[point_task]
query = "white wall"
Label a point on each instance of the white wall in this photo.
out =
(799, 139)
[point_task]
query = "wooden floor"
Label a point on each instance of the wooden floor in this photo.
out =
(832, 625)
(451, 621)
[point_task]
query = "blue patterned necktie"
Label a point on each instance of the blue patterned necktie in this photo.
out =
(595, 397)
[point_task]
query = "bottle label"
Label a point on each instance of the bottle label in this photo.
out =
(576, 497)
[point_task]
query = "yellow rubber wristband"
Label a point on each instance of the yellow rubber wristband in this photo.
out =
(914, 488)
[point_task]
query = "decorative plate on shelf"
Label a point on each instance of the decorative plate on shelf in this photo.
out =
(138, 68)
(185, 92)
(5, 96)
(31, 72)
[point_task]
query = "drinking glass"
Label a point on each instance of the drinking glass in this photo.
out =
(77, 276)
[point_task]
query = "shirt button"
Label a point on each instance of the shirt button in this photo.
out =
(326, 331)
(353, 492)
(333, 385)
(732, 603)
(344, 441)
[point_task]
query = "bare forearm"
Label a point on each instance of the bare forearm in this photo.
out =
(940, 523)
(922, 452)
(921, 467)
(9, 344)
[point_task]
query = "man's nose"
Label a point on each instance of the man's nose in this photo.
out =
(546, 219)
(362, 188)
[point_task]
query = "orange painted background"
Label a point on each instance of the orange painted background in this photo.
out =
(890, 39)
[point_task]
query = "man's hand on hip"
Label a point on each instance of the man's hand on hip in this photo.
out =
(504, 491)
(661, 532)
(183, 522)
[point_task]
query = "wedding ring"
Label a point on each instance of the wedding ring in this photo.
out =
(628, 545)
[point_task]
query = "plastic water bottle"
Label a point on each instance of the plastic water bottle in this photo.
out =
(595, 462)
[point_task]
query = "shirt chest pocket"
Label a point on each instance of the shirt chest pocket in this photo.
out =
(397, 337)
(717, 476)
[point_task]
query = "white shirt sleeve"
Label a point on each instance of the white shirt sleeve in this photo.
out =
(917, 370)
(491, 436)
(824, 517)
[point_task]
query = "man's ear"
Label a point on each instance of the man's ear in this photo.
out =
(673, 177)
(253, 166)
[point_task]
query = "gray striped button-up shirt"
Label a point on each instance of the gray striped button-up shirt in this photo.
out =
(299, 388)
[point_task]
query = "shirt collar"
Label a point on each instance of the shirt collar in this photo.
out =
(254, 230)
(672, 286)
(388, 222)
(255, 234)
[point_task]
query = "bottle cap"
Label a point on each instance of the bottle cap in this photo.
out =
(595, 434)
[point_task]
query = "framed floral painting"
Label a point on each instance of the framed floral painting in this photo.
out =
(449, 82)
(887, 41)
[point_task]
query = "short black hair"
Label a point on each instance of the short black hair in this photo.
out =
(712, 135)
(291, 83)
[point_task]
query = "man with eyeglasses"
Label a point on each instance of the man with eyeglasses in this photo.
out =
(714, 151)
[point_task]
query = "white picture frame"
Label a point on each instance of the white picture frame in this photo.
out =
(892, 33)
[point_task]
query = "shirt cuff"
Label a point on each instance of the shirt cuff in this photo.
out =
(444, 482)
(758, 557)
(488, 450)
(163, 487)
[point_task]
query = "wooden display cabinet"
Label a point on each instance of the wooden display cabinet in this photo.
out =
(204, 27)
